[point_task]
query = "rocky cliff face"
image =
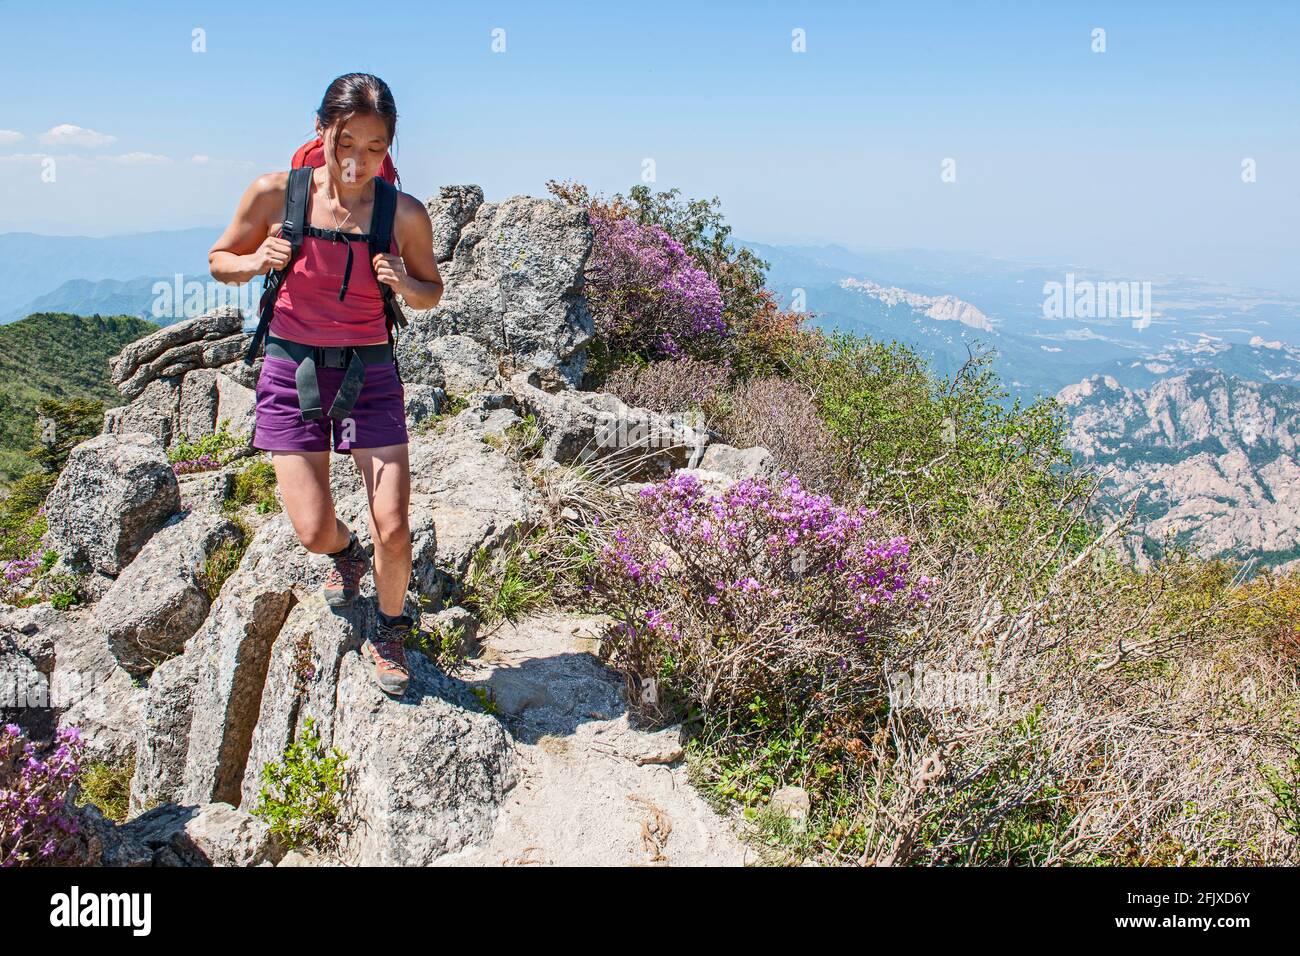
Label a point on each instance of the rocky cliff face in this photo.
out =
(205, 689)
(1213, 457)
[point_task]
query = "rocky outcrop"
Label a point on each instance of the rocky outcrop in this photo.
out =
(214, 834)
(302, 682)
(27, 654)
(477, 497)
(160, 600)
(944, 308)
(595, 788)
(583, 427)
(428, 772)
(514, 284)
(464, 364)
(114, 492)
(206, 341)
(93, 692)
(234, 674)
(186, 380)
(739, 463)
(163, 736)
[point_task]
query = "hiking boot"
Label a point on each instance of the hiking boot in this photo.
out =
(387, 651)
(343, 582)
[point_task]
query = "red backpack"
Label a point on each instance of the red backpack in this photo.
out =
(313, 154)
(308, 156)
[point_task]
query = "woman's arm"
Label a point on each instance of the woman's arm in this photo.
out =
(413, 273)
(247, 248)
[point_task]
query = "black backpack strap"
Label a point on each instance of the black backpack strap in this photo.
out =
(381, 238)
(296, 194)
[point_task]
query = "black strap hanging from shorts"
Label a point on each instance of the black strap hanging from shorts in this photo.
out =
(353, 358)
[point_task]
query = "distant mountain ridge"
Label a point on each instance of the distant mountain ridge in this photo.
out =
(160, 299)
(33, 265)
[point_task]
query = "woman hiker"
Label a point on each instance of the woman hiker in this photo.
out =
(324, 300)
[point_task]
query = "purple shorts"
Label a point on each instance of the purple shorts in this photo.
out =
(378, 417)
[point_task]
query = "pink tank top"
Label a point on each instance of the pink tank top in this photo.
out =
(308, 309)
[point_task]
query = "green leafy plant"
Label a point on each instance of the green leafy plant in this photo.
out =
(213, 450)
(300, 795)
(254, 485)
(64, 590)
(503, 586)
(442, 643)
(485, 699)
(108, 787)
(1284, 788)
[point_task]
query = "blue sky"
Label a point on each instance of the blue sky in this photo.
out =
(1128, 159)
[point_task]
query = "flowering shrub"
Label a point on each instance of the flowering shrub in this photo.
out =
(35, 823)
(206, 453)
(20, 568)
(647, 294)
(203, 462)
(761, 592)
(21, 575)
(719, 290)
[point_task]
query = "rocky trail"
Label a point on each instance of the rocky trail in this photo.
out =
(528, 755)
(593, 789)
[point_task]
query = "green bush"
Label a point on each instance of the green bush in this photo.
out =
(108, 787)
(300, 795)
(956, 458)
(213, 450)
(60, 427)
(21, 524)
(1284, 792)
(255, 485)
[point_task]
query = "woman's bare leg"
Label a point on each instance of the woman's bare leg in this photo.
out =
(304, 479)
(387, 473)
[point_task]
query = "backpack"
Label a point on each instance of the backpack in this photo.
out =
(313, 154)
(308, 156)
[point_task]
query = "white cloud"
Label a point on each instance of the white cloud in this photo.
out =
(65, 134)
(8, 137)
(140, 159)
(74, 159)
(202, 159)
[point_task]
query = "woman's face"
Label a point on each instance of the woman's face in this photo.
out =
(355, 148)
